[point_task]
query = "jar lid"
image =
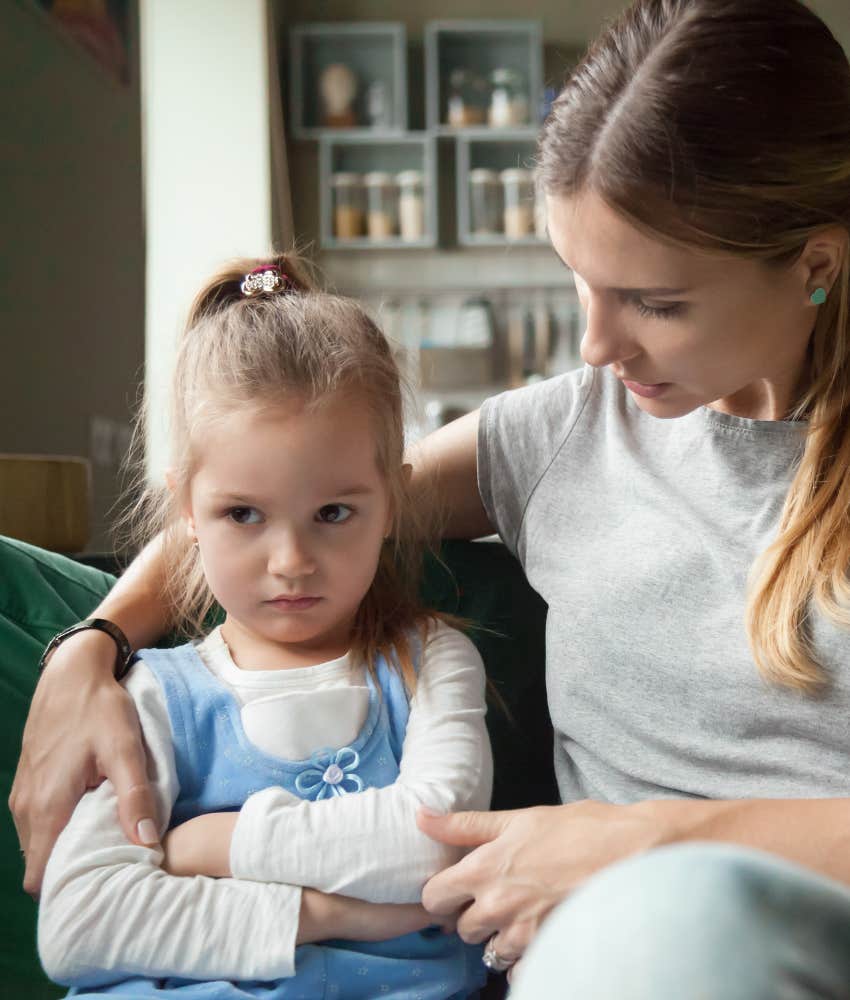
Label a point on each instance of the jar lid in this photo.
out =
(345, 179)
(409, 177)
(506, 76)
(483, 175)
(517, 175)
(378, 178)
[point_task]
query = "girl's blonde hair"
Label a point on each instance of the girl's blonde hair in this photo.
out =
(242, 351)
(725, 125)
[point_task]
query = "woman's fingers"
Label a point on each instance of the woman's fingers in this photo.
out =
(452, 888)
(495, 910)
(38, 832)
(463, 829)
(82, 727)
(126, 768)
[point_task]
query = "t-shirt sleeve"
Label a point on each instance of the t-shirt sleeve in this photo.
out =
(519, 434)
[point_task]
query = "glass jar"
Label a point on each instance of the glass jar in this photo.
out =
(518, 184)
(485, 202)
(467, 100)
(348, 206)
(382, 202)
(411, 205)
(541, 230)
(508, 99)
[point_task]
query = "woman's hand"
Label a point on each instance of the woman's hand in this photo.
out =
(326, 916)
(200, 846)
(82, 728)
(525, 862)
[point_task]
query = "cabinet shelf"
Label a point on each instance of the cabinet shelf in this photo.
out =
(513, 148)
(480, 46)
(376, 52)
(363, 155)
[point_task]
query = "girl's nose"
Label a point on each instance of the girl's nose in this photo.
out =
(605, 340)
(290, 556)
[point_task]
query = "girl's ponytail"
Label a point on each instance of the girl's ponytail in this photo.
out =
(226, 286)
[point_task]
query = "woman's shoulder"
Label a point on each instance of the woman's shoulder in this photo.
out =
(546, 397)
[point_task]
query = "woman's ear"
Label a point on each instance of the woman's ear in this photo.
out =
(822, 258)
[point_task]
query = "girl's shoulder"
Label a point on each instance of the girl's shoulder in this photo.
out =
(445, 644)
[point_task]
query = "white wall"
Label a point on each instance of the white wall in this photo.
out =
(205, 100)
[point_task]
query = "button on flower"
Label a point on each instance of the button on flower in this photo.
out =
(330, 773)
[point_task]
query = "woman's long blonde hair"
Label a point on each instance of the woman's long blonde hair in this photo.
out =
(242, 351)
(725, 125)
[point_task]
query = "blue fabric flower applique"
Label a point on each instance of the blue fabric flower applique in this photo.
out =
(330, 773)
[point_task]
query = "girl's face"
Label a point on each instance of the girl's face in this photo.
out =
(290, 511)
(683, 329)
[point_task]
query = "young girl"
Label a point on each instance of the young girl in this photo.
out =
(291, 747)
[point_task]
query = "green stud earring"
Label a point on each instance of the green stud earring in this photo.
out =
(818, 297)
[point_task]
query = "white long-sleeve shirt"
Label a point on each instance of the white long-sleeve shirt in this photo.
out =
(109, 910)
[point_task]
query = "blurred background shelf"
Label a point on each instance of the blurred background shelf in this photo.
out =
(372, 54)
(467, 63)
(355, 214)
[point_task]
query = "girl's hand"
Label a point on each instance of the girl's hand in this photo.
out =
(200, 846)
(82, 728)
(326, 916)
(525, 862)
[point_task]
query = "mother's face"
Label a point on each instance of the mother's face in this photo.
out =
(684, 329)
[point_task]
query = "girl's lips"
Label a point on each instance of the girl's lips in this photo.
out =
(294, 603)
(649, 391)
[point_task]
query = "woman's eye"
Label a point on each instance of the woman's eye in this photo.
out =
(245, 515)
(334, 513)
(665, 312)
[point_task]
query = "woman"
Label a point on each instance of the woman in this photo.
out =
(681, 505)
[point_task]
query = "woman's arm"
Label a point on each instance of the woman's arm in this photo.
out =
(445, 478)
(108, 908)
(446, 765)
(82, 726)
(527, 861)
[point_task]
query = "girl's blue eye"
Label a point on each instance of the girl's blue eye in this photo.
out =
(334, 513)
(245, 515)
(668, 312)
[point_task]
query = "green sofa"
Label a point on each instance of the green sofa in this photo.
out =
(41, 593)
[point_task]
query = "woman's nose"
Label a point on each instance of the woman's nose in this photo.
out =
(291, 556)
(605, 341)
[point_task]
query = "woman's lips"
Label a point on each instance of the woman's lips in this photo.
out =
(294, 603)
(649, 391)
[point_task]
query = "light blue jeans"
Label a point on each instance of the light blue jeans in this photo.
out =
(697, 921)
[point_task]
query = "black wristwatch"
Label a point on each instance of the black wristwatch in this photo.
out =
(124, 656)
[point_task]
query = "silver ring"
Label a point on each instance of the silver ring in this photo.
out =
(493, 960)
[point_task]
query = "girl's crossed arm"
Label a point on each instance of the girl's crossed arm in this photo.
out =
(366, 845)
(108, 910)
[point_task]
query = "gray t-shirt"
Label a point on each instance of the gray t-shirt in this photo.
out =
(639, 533)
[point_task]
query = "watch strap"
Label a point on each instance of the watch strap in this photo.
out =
(124, 655)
